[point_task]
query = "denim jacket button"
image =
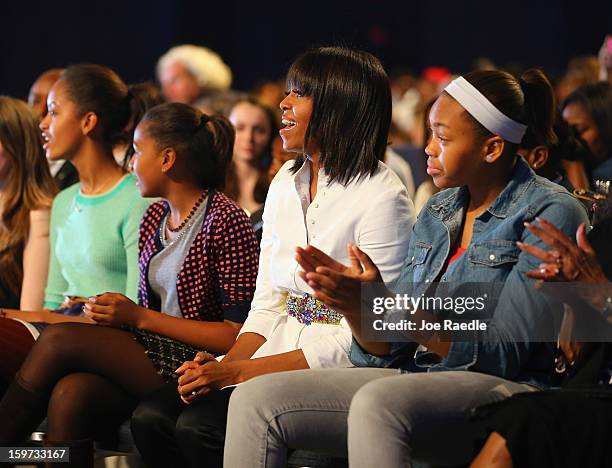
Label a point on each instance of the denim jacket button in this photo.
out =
(492, 257)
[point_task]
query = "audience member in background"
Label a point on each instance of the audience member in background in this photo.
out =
(572, 426)
(405, 98)
(410, 149)
(465, 238)
(589, 110)
(247, 179)
(546, 157)
(63, 172)
(189, 72)
(335, 192)
(37, 97)
(414, 155)
(605, 59)
(94, 224)
(279, 157)
(217, 103)
(402, 169)
(401, 80)
(270, 93)
(26, 194)
(432, 82)
(398, 137)
(144, 96)
(198, 261)
(580, 71)
(484, 63)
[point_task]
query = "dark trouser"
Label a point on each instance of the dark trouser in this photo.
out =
(16, 341)
(169, 432)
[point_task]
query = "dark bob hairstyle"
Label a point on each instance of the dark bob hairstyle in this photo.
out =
(351, 101)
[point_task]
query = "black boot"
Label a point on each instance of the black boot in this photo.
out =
(21, 411)
(81, 453)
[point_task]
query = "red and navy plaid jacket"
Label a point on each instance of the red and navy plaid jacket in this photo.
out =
(217, 279)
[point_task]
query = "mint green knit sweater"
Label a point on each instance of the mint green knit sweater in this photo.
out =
(94, 242)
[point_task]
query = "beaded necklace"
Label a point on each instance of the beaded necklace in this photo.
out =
(189, 216)
(167, 240)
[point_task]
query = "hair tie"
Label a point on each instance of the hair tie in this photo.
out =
(204, 119)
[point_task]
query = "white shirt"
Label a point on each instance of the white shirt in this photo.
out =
(373, 212)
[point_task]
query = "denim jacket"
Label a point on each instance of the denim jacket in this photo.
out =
(508, 347)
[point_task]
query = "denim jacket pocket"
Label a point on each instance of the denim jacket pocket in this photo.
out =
(418, 261)
(420, 252)
(413, 268)
(494, 253)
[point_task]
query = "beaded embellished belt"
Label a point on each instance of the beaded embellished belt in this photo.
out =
(306, 309)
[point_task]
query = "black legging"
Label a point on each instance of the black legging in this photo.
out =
(168, 432)
(90, 376)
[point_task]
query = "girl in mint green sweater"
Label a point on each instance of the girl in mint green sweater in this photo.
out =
(94, 223)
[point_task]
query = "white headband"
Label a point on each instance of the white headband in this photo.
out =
(484, 112)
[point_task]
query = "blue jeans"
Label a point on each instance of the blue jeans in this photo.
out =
(378, 417)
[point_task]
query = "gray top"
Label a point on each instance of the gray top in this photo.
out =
(167, 263)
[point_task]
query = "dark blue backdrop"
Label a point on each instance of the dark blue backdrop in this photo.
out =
(258, 39)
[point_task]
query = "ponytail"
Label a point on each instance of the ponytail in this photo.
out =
(204, 144)
(538, 108)
(221, 133)
(528, 100)
(127, 135)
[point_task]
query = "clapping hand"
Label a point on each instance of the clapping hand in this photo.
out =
(333, 283)
(566, 260)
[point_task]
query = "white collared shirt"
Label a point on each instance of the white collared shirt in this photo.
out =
(374, 212)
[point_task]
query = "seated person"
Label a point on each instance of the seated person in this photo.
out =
(247, 181)
(549, 158)
(589, 110)
(63, 172)
(26, 194)
(94, 224)
(571, 426)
